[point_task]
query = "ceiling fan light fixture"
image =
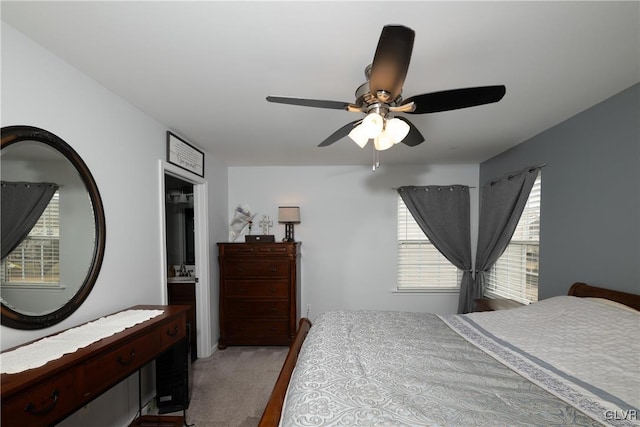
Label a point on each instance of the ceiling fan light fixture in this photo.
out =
(384, 141)
(372, 125)
(397, 129)
(359, 136)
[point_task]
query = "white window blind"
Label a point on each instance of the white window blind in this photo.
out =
(515, 274)
(36, 259)
(420, 264)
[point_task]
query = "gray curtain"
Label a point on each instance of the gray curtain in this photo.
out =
(501, 205)
(443, 213)
(22, 205)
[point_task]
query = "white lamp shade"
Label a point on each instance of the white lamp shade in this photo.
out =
(372, 125)
(358, 136)
(397, 129)
(383, 141)
(289, 214)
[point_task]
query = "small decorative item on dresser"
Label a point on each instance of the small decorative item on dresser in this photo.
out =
(242, 218)
(288, 215)
(265, 223)
(257, 238)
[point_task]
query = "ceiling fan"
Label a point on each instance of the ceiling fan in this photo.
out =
(381, 97)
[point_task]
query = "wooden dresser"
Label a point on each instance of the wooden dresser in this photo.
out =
(259, 293)
(45, 395)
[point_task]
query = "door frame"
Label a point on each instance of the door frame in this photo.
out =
(201, 242)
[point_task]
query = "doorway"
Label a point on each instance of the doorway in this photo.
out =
(185, 250)
(179, 225)
(180, 251)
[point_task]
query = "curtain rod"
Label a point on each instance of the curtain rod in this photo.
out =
(514, 174)
(530, 169)
(450, 185)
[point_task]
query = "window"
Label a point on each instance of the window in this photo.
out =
(36, 259)
(515, 274)
(420, 264)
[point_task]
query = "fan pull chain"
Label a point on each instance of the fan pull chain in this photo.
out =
(376, 159)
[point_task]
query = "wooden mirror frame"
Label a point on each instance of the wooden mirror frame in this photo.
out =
(17, 320)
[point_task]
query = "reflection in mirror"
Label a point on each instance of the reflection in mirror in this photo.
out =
(52, 245)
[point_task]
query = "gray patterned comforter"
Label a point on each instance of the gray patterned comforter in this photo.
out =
(376, 368)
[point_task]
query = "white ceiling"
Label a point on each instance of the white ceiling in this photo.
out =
(204, 68)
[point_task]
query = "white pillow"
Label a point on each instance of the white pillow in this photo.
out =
(612, 304)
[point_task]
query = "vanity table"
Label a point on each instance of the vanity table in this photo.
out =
(47, 394)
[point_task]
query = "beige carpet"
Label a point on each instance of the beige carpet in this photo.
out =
(231, 388)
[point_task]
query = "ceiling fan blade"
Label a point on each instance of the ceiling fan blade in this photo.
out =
(339, 134)
(456, 98)
(414, 137)
(391, 61)
(318, 103)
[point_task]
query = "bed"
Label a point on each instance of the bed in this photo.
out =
(561, 361)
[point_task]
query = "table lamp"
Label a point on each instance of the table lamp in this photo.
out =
(288, 215)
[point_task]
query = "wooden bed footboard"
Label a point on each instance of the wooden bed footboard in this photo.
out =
(273, 410)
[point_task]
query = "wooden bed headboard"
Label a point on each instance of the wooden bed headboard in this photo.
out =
(583, 290)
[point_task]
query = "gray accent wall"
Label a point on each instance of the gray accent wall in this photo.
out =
(590, 207)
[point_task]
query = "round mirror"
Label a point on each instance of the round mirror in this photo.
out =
(53, 228)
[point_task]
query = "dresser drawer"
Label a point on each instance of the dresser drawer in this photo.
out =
(42, 404)
(100, 372)
(262, 288)
(258, 329)
(240, 269)
(252, 308)
(257, 249)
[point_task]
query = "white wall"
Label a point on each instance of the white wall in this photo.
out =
(347, 229)
(121, 146)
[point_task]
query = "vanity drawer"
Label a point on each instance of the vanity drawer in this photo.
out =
(100, 372)
(256, 269)
(172, 332)
(41, 404)
(249, 308)
(246, 288)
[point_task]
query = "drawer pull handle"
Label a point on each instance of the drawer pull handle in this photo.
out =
(272, 290)
(31, 408)
(274, 309)
(273, 268)
(123, 362)
(240, 289)
(174, 332)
